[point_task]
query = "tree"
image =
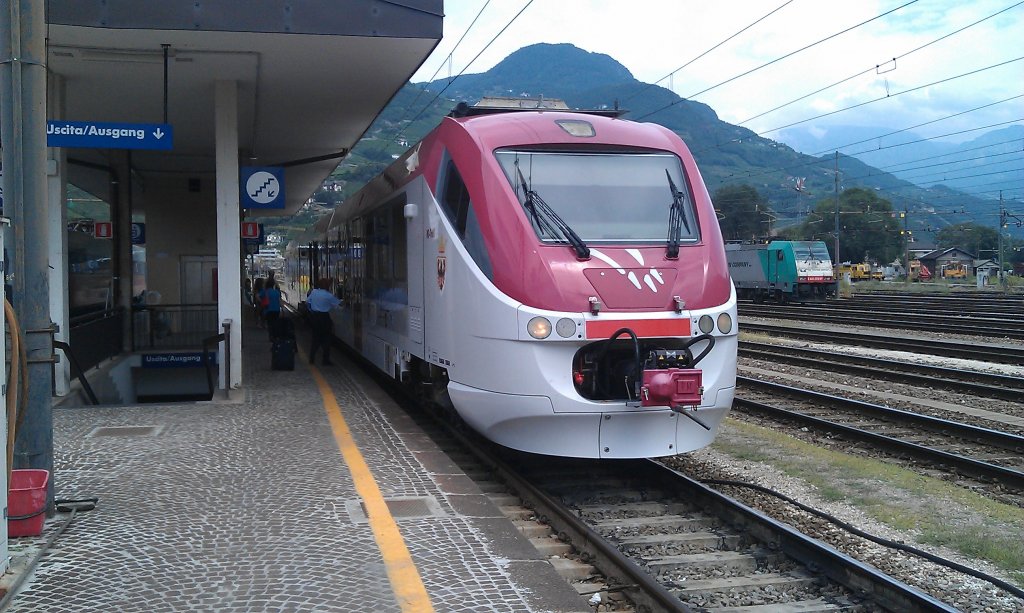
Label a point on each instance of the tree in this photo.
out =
(868, 228)
(970, 237)
(743, 213)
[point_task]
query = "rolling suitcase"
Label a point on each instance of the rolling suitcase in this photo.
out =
(282, 354)
(283, 328)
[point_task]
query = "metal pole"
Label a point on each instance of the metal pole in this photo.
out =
(906, 241)
(23, 133)
(838, 261)
(1003, 282)
(166, 48)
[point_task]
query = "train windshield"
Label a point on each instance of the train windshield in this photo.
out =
(604, 197)
(811, 250)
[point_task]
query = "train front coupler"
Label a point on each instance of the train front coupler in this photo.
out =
(670, 379)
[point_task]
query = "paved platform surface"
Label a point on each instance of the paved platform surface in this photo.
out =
(248, 505)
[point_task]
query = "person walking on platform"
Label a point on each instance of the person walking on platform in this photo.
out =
(257, 296)
(271, 301)
(320, 302)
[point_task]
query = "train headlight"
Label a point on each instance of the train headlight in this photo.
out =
(539, 327)
(725, 323)
(565, 327)
(706, 324)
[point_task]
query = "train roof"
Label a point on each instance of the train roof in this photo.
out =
(465, 110)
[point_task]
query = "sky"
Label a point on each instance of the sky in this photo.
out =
(654, 38)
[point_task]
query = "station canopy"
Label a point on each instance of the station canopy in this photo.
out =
(312, 76)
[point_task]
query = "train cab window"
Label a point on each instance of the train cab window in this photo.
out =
(456, 198)
(458, 207)
(605, 197)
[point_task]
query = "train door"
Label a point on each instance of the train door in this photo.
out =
(419, 202)
(774, 268)
(357, 278)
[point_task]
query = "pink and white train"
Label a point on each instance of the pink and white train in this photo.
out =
(557, 278)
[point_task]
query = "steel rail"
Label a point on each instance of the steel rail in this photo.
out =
(1003, 387)
(641, 588)
(966, 297)
(950, 349)
(816, 555)
(947, 324)
(924, 313)
(976, 468)
(987, 436)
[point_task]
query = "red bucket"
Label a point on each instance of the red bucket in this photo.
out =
(26, 502)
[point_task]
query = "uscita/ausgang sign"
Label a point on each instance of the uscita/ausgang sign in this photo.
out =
(104, 135)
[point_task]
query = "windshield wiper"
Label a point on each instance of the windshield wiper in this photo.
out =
(548, 221)
(676, 219)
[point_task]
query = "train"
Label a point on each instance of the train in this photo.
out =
(557, 278)
(781, 270)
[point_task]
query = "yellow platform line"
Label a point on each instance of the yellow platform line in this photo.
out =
(405, 579)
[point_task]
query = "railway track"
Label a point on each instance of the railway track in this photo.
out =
(985, 385)
(987, 326)
(647, 538)
(705, 549)
(989, 456)
(638, 536)
(985, 352)
(955, 300)
(991, 306)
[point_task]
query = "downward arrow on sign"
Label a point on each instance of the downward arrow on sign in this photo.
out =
(159, 133)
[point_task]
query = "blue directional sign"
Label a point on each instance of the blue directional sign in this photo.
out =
(138, 233)
(176, 360)
(101, 135)
(262, 187)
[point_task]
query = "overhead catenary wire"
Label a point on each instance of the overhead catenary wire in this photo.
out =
(957, 152)
(875, 67)
(466, 67)
(888, 96)
(960, 161)
(776, 60)
(730, 37)
(914, 127)
(448, 58)
(946, 171)
(819, 161)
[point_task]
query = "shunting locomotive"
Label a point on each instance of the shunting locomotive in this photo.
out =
(783, 271)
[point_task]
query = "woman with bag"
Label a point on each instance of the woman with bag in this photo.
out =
(271, 304)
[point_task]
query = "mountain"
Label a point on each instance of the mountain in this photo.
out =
(726, 154)
(981, 166)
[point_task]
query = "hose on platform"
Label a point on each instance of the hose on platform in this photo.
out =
(19, 374)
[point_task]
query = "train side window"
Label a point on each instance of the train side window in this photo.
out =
(456, 198)
(459, 208)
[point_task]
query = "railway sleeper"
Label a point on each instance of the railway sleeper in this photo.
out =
(603, 511)
(616, 527)
(831, 605)
(583, 577)
(687, 540)
(726, 562)
(779, 581)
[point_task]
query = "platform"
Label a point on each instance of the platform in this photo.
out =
(249, 505)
